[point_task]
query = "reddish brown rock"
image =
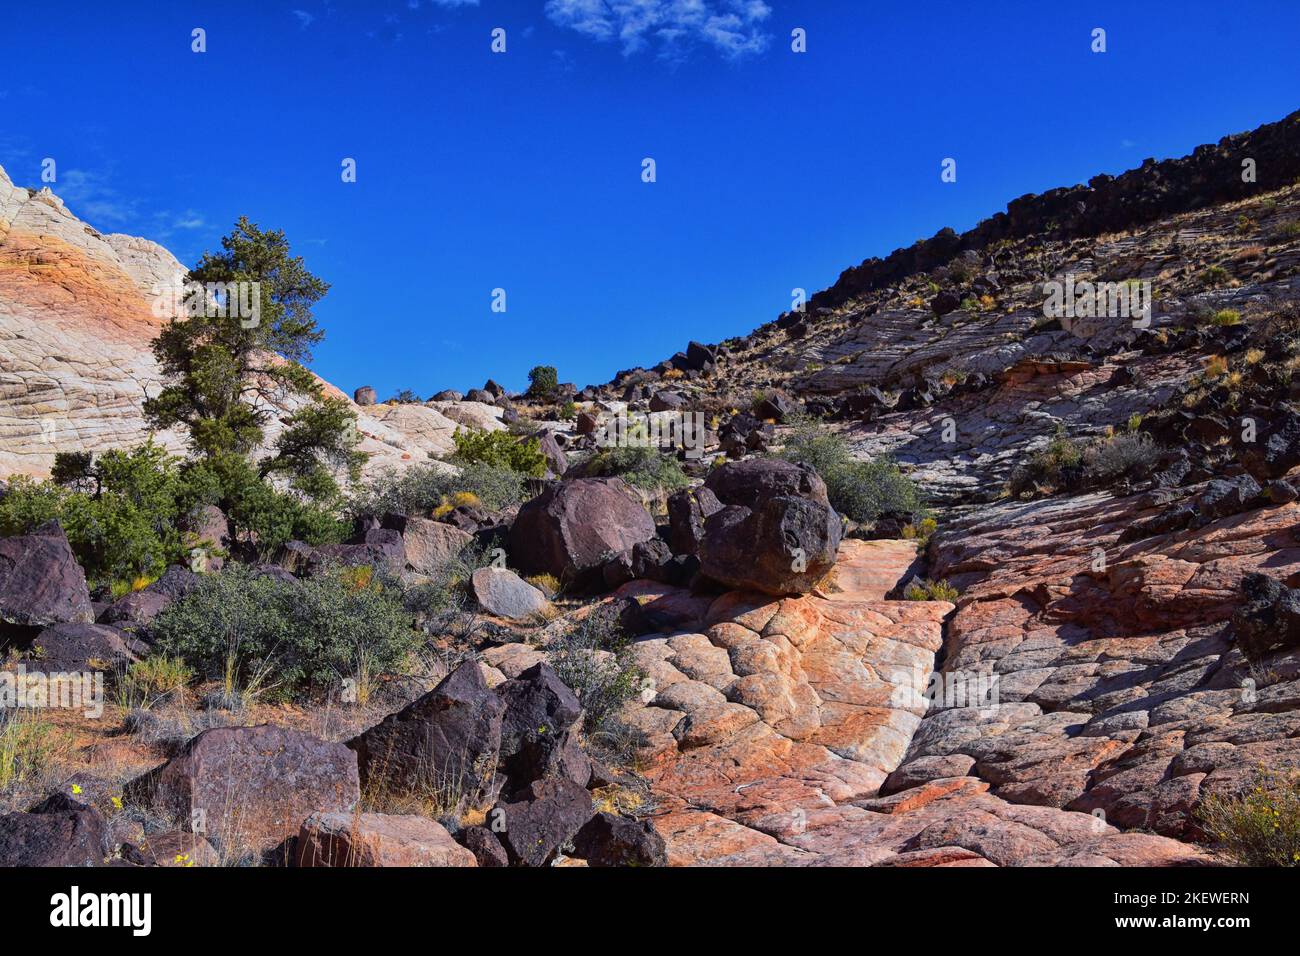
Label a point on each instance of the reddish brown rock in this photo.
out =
(40, 581)
(248, 789)
(377, 839)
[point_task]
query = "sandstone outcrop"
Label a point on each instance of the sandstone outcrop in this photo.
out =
(772, 726)
(78, 310)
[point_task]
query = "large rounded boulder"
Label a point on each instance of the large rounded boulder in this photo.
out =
(573, 527)
(776, 533)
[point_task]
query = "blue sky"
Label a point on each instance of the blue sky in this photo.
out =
(522, 170)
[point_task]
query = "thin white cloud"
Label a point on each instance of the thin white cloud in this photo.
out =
(92, 199)
(733, 27)
(305, 19)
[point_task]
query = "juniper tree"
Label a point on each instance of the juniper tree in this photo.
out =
(225, 368)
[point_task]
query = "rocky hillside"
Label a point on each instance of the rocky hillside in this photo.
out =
(953, 328)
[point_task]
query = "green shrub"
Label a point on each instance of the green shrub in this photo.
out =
(272, 518)
(29, 747)
(120, 513)
(543, 380)
(152, 680)
(501, 450)
(1287, 231)
(643, 466)
(1224, 317)
(422, 488)
(1069, 464)
(860, 490)
(923, 589)
(1260, 827)
(259, 634)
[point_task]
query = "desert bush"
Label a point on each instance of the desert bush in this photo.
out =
(1214, 276)
(145, 683)
(499, 449)
(1116, 455)
(423, 488)
(923, 589)
(548, 584)
(1287, 232)
(861, 490)
(603, 683)
(921, 530)
(1260, 827)
(258, 634)
(1223, 317)
(1049, 466)
(1065, 463)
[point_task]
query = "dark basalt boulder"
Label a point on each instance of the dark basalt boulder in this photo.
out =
(611, 840)
(83, 647)
(541, 819)
(56, 832)
(1269, 619)
(40, 581)
(248, 789)
(777, 532)
(451, 733)
(571, 529)
(539, 730)
(687, 510)
(483, 843)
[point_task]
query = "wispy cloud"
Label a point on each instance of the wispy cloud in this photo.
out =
(305, 19)
(91, 197)
(732, 27)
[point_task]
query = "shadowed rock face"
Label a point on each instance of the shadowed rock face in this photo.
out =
(58, 832)
(451, 733)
